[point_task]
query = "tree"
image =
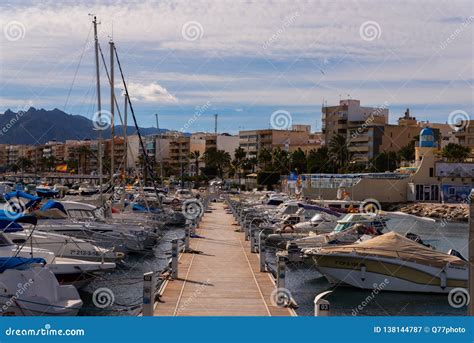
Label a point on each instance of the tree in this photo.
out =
(280, 161)
(264, 158)
(239, 158)
(318, 161)
(217, 161)
(407, 152)
(455, 152)
(385, 161)
(268, 178)
(298, 161)
(196, 156)
(339, 151)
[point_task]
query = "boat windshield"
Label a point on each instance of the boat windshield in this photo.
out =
(81, 214)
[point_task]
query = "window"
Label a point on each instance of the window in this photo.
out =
(431, 172)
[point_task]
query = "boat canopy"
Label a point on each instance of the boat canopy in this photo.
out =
(394, 245)
(32, 200)
(10, 221)
(18, 262)
(50, 204)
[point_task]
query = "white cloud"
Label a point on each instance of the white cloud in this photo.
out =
(152, 92)
(153, 51)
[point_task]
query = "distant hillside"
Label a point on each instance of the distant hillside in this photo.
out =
(38, 126)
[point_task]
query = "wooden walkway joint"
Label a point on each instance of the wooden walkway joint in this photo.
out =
(223, 279)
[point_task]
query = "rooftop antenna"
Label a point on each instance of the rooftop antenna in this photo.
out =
(215, 123)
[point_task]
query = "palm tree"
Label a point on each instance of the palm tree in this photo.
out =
(196, 156)
(280, 161)
(264, 158)
(219, 160)
(239, 157)
(339, 150)
(223, 161)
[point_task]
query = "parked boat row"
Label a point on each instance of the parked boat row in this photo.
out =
(58, 246)
(350, 247)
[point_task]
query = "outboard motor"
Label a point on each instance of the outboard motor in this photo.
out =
(456, 253)
(415, 238)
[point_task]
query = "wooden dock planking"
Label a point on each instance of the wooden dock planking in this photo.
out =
(224, 280)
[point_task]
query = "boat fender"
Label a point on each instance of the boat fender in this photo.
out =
(442, 277)
(363, 270)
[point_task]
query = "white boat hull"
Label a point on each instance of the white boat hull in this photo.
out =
(390, 274)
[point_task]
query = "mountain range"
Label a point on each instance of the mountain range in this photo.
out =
(38, 126)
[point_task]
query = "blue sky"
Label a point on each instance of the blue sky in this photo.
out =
(246, 59)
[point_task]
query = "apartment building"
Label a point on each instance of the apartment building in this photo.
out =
(83, 154)
(252, 141)
(465, 135)
(350, 116)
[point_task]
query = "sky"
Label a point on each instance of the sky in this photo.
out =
(244, 60)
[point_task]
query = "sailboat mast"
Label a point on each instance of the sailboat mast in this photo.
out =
(99, 107)
(159, 150)
(125, 137)
(112, 111)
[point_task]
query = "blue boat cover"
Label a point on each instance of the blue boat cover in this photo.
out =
(140, 208)
(53, 204)
(33, 200)
(18, 262)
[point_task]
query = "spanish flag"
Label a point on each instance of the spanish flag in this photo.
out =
(61, 168)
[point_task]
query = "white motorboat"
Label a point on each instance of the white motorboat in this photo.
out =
(391, 260)
(87, 189)
(35, 291)
(87, 222)
(67, 270)
(64, 246)
(366, 223)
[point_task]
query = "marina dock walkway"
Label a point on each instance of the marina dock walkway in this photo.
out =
(224, 279)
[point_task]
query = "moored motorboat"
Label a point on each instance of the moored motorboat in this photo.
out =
(31, 289)
(393, 260)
